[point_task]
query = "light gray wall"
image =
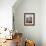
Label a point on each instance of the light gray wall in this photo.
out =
(43, 22)
(29, 32)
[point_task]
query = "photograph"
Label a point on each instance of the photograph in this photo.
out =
(29, 19)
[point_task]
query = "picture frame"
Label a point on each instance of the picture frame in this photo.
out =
(29, 19)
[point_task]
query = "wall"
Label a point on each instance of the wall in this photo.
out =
(6, 13)
(43, 22)
(29, 32)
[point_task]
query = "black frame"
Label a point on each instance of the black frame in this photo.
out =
(29, 19)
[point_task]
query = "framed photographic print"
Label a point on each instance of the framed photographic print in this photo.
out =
(29, 19)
